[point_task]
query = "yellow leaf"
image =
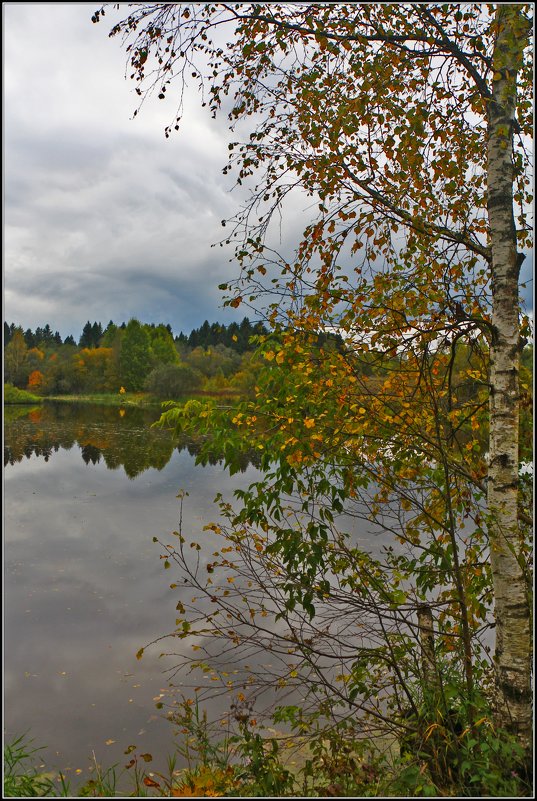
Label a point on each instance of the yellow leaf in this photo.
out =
(309, 422)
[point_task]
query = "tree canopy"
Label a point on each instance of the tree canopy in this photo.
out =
(408, 127)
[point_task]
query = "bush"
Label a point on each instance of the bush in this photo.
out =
(172, 380)
(14, 395)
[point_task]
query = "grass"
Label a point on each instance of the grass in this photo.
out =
(108, 399)
(22, 779)
(24, 776)
(14, 395)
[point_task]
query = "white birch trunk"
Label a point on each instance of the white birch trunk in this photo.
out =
(513, 641)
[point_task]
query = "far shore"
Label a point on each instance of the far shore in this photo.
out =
(109, 398)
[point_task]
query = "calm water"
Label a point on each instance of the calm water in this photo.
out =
(85, 491)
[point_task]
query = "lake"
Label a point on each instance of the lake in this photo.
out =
(86, 489)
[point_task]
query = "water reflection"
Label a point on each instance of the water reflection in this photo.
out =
(85, 492)
(121, 438)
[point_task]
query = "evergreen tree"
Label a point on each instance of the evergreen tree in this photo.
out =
(109, 334)
(96, 334)
(91, 335)
(86, 338)
(47, 335)
(245, 332)
(30, 338)
(8, 332)
(232, 336)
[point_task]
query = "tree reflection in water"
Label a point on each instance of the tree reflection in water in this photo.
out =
(122, 438)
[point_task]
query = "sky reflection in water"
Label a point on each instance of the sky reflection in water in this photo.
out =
(84, 585)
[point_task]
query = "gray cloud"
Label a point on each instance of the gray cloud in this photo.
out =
(104, 217)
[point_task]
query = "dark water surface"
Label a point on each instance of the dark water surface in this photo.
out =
(85, 490)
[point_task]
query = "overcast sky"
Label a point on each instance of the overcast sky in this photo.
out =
(104, 218)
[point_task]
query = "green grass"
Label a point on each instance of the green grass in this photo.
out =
(14, 395)
(108, 399)
(136, 398)
(24, 776)
(22, 779)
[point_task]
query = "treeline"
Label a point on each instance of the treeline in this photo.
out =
(235, 335)
(132, 356)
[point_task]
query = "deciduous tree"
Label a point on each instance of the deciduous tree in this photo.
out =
(407, 125)
(15, 356)
(135, 356)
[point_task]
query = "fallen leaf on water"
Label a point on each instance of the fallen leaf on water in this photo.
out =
(109, 742)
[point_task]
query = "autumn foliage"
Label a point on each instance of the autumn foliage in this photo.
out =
(387, 400)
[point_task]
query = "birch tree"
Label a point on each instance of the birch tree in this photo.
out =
(407, 126)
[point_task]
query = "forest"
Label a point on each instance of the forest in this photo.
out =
(134, 356)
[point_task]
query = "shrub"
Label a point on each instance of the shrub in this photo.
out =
(172, 380)
(14, 395)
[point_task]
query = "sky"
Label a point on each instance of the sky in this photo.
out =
(105, 218)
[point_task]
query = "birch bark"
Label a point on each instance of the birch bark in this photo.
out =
(513, 642)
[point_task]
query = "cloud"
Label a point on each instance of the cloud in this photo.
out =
(104, 217)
